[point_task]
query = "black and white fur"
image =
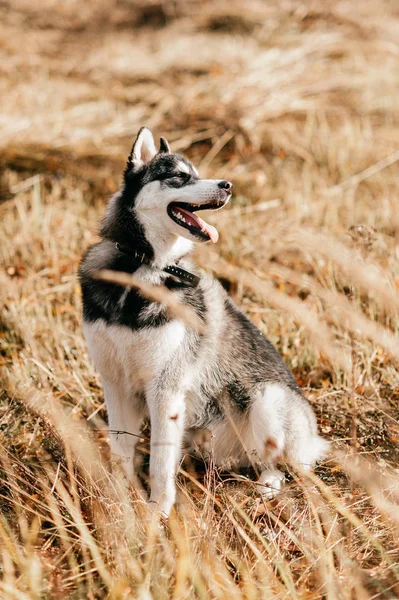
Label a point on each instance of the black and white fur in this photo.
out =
(227, 389)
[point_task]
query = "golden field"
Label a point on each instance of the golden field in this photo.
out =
(296, 103)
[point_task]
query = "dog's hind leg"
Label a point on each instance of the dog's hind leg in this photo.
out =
(124, 421)
(265, 437)
(167, 412)
(282, 424)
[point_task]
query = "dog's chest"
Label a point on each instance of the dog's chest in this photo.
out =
(131, 359)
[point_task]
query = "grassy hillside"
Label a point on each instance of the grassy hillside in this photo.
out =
(296, 104)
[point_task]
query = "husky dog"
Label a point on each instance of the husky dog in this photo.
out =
(226, 388)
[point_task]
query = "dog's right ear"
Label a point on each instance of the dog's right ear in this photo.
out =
(143, 150)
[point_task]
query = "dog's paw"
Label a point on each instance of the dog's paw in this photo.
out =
(162, 503)
(270, 483)
(156, 510)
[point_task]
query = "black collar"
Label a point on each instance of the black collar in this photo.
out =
(188, 279)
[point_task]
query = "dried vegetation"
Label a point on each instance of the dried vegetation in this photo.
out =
(296, 103)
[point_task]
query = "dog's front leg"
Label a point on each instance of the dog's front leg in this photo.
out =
(124, 420)
(167, 412)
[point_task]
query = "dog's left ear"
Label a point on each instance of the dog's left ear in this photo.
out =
(143, 150)
(164, 147)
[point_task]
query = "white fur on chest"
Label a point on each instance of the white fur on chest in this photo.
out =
(130, 359)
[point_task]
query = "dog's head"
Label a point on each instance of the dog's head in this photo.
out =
(161, 195)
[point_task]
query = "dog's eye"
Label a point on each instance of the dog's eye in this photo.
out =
(179, 179)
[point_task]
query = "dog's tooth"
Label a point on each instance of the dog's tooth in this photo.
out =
(179, 216)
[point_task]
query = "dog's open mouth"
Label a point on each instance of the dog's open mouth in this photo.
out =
(183, 214)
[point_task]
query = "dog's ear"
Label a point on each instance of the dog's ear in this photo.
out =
(164, 147)
(143, 150)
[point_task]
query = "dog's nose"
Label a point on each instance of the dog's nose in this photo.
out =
(225, 185)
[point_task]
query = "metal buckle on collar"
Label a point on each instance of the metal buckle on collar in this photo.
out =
(125, 250)
(189, 279)
(139, 257)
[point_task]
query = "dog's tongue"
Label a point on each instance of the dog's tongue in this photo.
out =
(210, 230)
(196, 221)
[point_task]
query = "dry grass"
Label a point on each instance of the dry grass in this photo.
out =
(296, 103)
